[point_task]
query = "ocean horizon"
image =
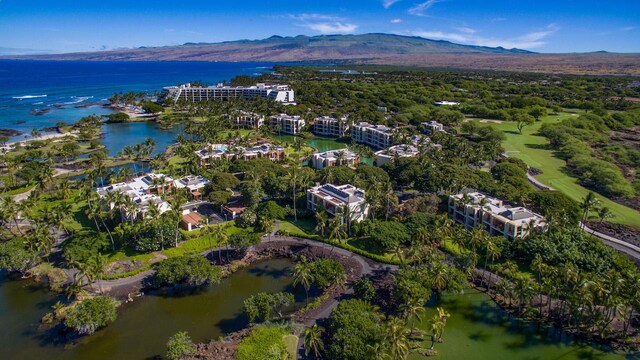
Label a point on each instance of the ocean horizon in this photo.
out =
(38, 94)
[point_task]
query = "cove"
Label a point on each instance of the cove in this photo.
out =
(144, 326)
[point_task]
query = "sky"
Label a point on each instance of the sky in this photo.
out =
(546, 26)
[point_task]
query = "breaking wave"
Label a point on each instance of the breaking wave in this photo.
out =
(28, 97)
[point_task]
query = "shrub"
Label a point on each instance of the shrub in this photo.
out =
(180, 346)
(261, 305)
(353, 325)
(264, 343)
(191, 270)
(364, 289)
(92, 314)
(327, 272)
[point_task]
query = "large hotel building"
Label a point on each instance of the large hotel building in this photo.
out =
(328, 126)
(275, 92)
(378, 136)
(287, 124)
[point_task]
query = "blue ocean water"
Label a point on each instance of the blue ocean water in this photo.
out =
(73, 89)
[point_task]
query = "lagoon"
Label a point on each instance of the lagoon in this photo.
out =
(144, 326)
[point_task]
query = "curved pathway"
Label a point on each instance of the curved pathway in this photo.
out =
(620, 245)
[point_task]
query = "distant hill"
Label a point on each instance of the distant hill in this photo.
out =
(298, 48)
(385, 49)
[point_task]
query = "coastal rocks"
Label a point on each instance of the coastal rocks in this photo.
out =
(10, 132)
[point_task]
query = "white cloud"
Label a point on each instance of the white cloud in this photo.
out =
(324, 24)
(387, 3)
(419, 10)
(628, 28)
(396, 21)
(531, 40)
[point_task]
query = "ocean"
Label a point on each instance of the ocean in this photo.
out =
(39, 94)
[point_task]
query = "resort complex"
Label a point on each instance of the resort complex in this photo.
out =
(396, 151)
(431, 127)
(332, 127)
(275, 92)
(139, 195)
(287, 124)
(377, 136)
(339, 157)
(493, 215)
(344, 201)
(213, 152)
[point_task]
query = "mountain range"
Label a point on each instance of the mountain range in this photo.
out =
(382, 49)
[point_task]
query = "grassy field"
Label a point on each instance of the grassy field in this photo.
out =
(534, 151)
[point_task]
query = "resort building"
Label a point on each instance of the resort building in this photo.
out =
(248, 120)
(396, 151)
(335, 158)
(476, 209)
(214, 152)
(276, 92)
(334, 199)
(143, 192)
(431, 127)
(329, 126)
(378, 136)
(446, 103)
(193, 184)
(191, 220)
(287, 124)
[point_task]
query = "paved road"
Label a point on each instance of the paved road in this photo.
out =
(620, 245)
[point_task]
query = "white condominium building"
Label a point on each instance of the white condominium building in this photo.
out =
(335, 158)
(431, 127)
(334, 199)
(476, 209)
(275, 92)
(220, 151)
(287, 124)
(248, 120)
(396, 151)
(142, 191)
(329, 126)
(378, 136)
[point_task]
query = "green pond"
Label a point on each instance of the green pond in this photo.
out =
(479, 329)
(144, 326)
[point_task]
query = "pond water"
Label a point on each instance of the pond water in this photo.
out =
(479, 329)
(117, 136)
(144, 326)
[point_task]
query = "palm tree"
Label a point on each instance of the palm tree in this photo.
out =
(396, 336)
(588, 202)
(412, 310)
(303, 275)
(293, 179)
(604, 213)
(438, 324)
(493, 252)
(313, 341)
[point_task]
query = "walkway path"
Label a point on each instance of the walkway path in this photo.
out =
(620, 245)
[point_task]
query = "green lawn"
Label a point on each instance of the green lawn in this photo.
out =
(301, 228)
(534, 151)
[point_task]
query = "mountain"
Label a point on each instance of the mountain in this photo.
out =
(377, 49)
(297, 48)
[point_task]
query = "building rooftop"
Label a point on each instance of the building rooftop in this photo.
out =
(334, 154)
(339, 194)
(519, 215)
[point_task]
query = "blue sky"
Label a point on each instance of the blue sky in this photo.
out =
(542, 25)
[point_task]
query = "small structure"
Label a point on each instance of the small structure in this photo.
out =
(477, 209)
(191, 221)
(431, 127)
(329, 126)
(346, 201)
(446, 103)
(335, 158)
(193, 184)
(396, 151)
(378, 136)
(287, 124)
